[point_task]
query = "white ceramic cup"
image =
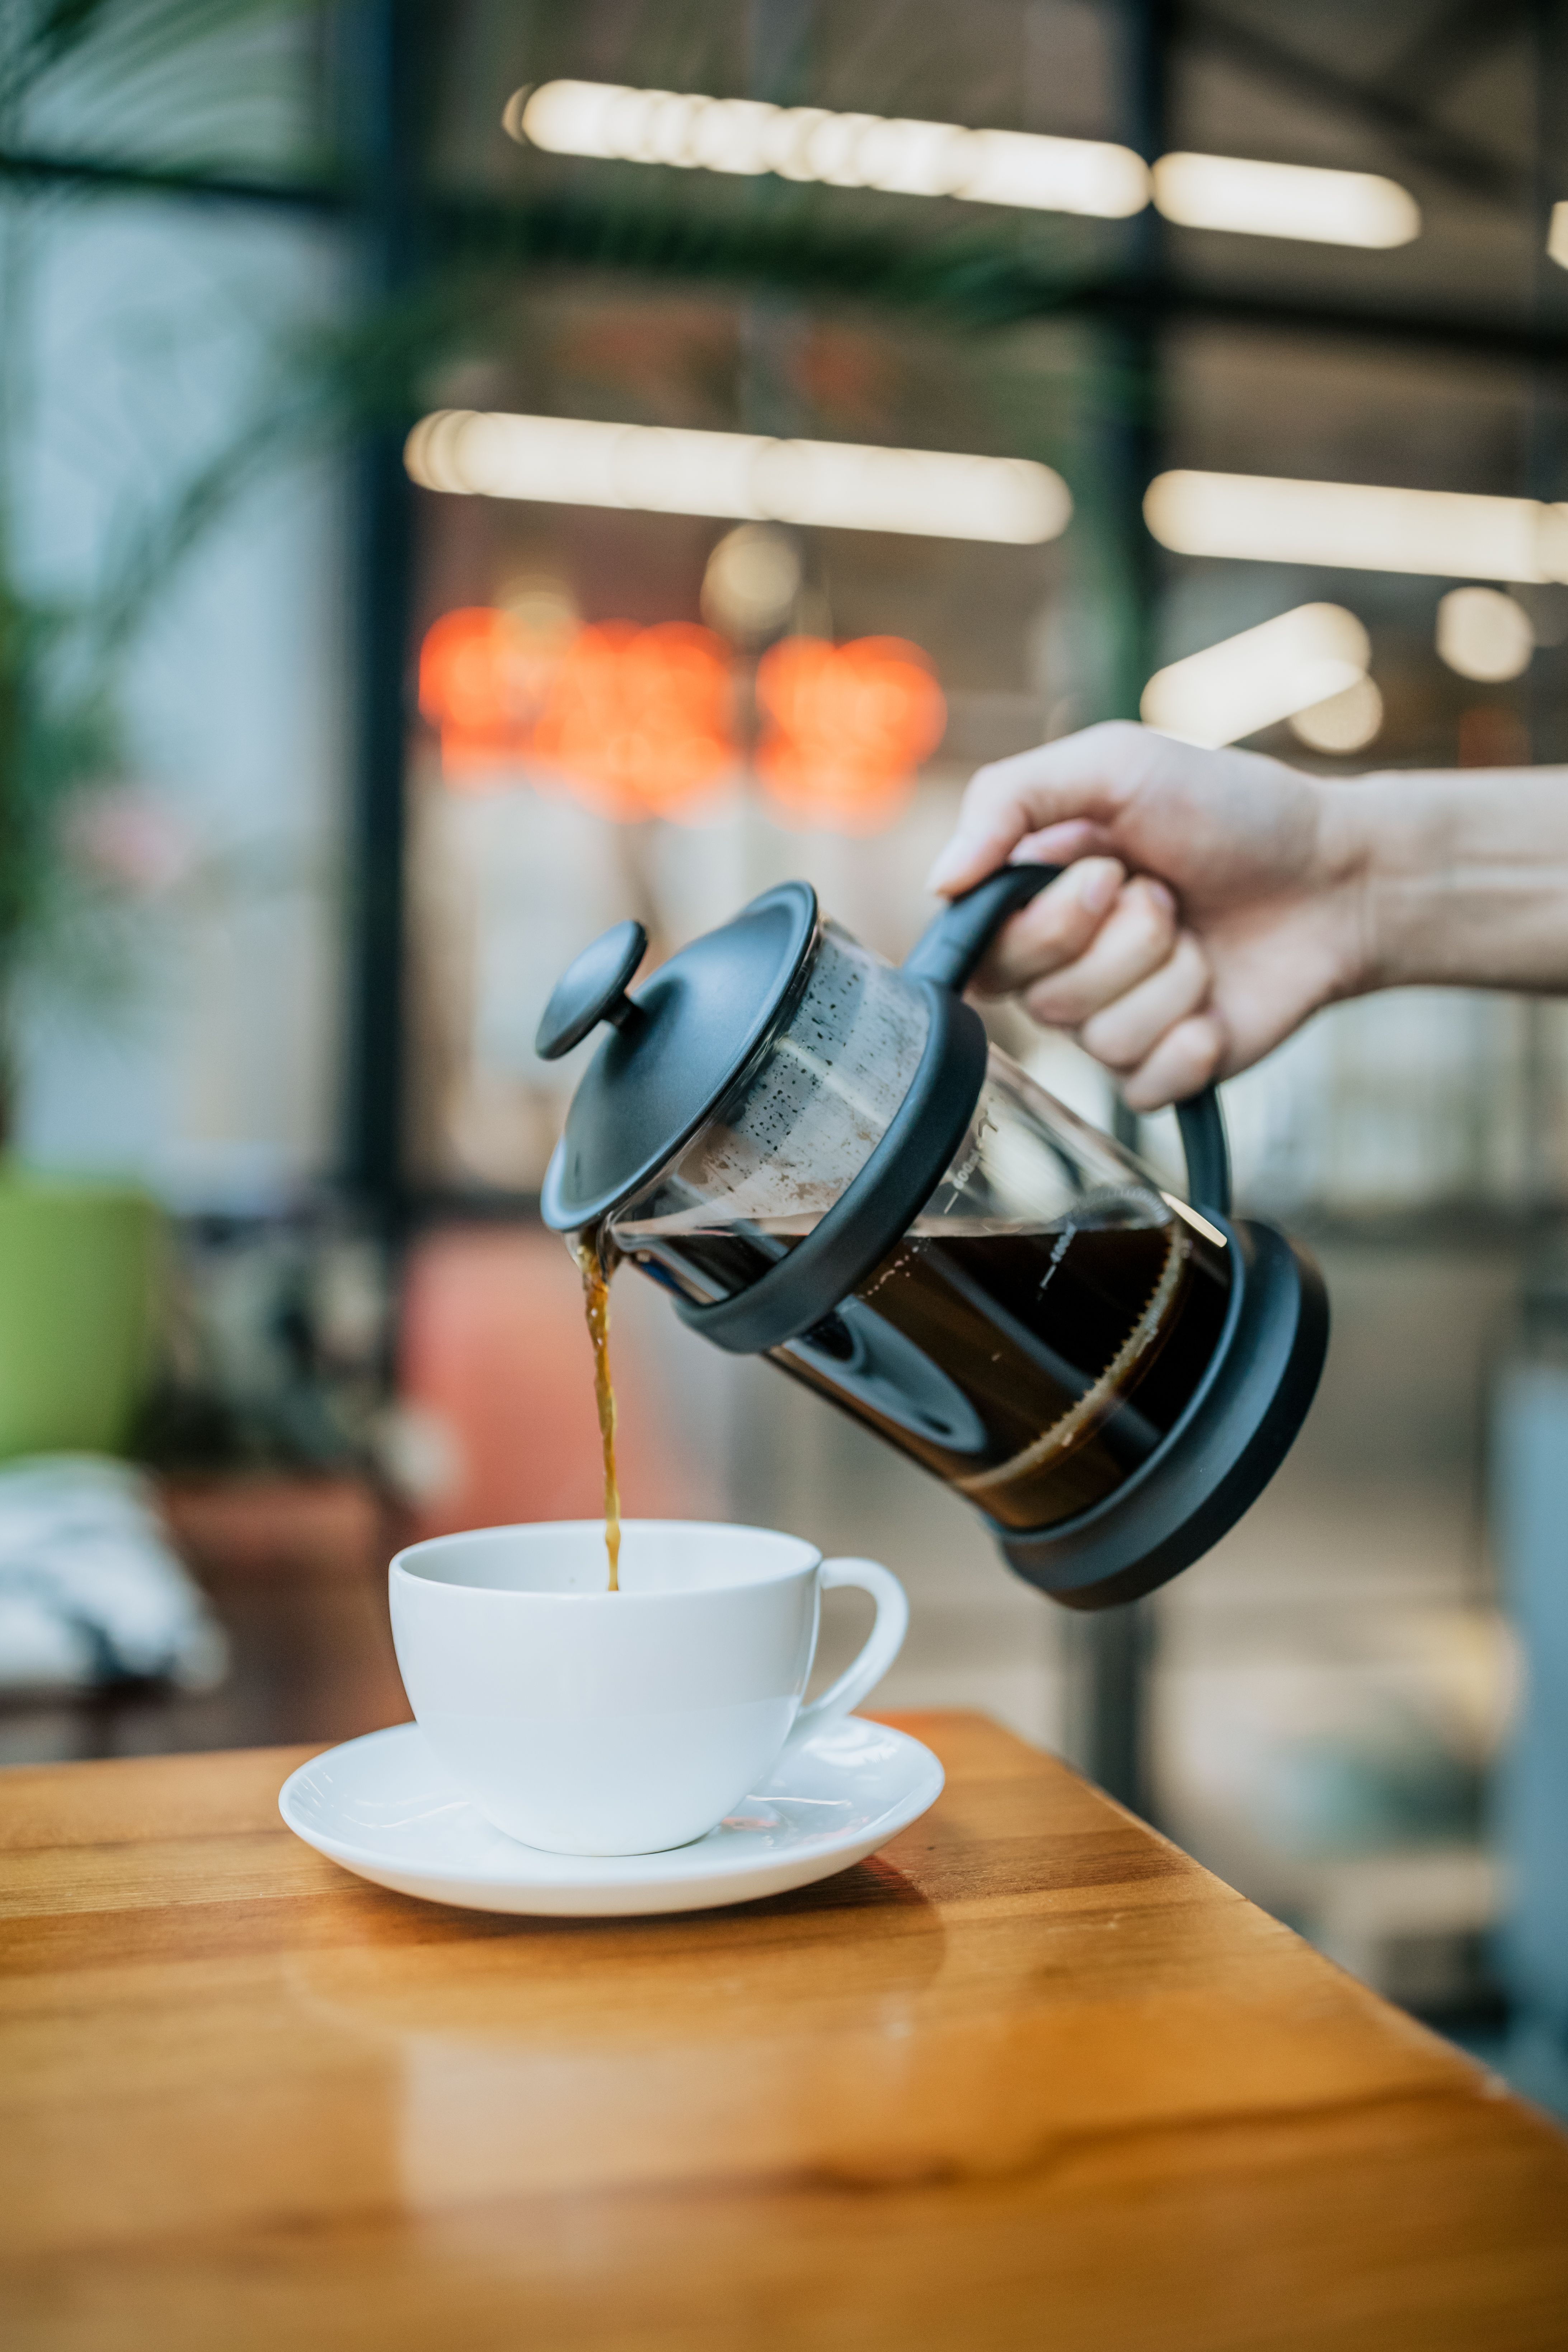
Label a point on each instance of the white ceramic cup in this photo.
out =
(587, 1721)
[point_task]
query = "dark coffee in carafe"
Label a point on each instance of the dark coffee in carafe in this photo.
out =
(1034, 1371)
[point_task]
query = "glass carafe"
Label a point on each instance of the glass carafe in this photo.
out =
(1045, 1317)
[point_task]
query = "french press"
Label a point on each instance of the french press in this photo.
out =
(822, 1158)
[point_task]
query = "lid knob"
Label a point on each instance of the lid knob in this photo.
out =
(592, 990)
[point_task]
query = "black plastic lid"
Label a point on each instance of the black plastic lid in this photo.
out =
(677, 1047)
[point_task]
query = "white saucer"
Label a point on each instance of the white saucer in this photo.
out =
(385, 1809)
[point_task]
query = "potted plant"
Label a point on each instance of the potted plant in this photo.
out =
(78, 1258)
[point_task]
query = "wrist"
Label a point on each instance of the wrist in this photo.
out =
(1456, 878)
(1361, 851)
(1389, 860)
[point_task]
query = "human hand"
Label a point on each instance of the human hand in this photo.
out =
(1212, 900)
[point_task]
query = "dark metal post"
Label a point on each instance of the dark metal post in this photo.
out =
(388, 100)
(1547, 442)
(1545, 447)
(1150, 25)
(1115, 1648)
(1109, 1722)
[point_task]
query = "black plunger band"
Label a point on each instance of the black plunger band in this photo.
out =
(877, 1207)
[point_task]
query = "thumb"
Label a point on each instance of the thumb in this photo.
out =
(1088, 778)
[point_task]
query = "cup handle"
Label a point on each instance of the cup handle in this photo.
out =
(883, 1642)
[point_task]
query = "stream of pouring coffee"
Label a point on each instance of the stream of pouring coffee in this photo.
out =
(597, 1259)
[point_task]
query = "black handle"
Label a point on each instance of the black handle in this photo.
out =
(1206, 1152)
(592, 990)
(948, 952)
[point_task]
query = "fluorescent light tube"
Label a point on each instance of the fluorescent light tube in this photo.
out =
(1293, 200)
(1354, 527)
(842, 151)
(1258, 677)
(662, 469)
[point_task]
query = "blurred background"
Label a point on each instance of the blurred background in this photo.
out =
(356, 671)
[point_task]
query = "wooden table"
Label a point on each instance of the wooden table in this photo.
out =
(1028, 2079)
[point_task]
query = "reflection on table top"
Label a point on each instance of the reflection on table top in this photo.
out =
(1028, 2075)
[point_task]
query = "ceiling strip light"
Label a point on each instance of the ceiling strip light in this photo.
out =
(1017, 168)
(664, 469)
(1353, 527)
(843, 151)
(1258, 677)
(1295, 200)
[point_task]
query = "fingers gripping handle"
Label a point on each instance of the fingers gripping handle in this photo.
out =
(950, 952)
(882, 1646)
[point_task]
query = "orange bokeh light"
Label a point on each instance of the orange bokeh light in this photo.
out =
(635, 722)
(850, 725)
(482, 674)
(638, 720)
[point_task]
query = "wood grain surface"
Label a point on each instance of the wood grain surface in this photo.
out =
(1028, 2078)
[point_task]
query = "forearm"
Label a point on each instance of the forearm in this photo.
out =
(1457, 878)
